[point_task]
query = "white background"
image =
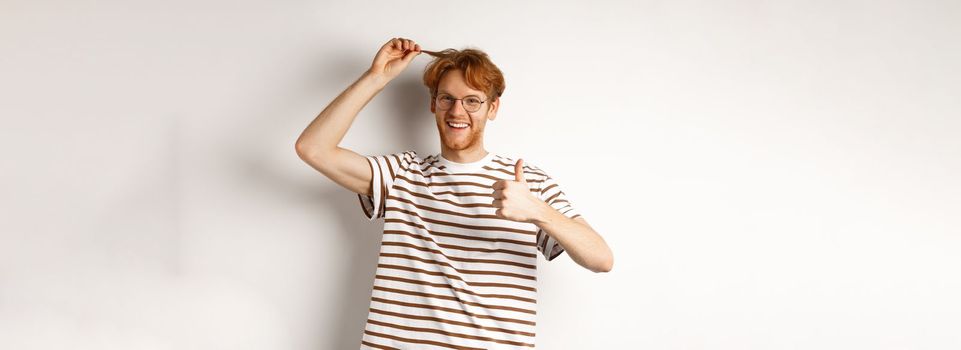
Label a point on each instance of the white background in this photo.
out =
(769, 174)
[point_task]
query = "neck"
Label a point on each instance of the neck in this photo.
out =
(464, 155)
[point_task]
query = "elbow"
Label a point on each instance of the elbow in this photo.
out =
(604, 266)
(307, 150)
(303, 149)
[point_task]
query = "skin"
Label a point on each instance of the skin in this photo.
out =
(319, 146)
(462, 146)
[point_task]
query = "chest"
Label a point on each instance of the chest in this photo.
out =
(456, 206)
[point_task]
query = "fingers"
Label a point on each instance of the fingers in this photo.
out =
(500, 185)
(404, 44)
(519, 171)
(410, 56)
(394, 57)
(406, 48)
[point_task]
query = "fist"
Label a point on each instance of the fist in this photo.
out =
(513, 199)
(394, 57)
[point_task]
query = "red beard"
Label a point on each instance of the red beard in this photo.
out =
(459, 139)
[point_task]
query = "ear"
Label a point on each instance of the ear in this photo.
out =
(432, 106)
(492, 113)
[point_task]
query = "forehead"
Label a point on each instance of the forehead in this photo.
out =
(453, 83)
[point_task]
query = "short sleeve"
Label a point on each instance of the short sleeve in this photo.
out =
(385, 169)
(551, 193)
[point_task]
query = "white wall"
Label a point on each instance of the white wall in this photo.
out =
(769, 174)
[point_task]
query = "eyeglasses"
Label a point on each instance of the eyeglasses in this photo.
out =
(470, 103)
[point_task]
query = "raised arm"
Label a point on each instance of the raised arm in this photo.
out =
(318, 144)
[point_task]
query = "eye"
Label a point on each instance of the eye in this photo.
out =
(446, 98)
(473, 100)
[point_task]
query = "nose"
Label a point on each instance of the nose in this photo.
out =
(457, 108)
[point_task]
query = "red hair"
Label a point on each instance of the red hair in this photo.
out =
(479, 72)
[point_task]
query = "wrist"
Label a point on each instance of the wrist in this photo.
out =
(378, 79)
(543, 214)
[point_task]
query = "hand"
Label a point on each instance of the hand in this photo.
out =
(394, 57)
(514, 199)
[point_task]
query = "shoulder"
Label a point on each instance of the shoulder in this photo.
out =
(410, 154)
(530, 168)
(412, 160)
(535, 176)
(402, 159)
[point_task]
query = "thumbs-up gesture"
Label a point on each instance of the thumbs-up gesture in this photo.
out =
(513, 199)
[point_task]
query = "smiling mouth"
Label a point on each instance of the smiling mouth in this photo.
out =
(458, 126)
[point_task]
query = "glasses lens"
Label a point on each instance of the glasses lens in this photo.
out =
(472, 104)
(444, 101)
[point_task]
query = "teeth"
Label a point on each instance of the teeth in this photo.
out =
(457, 125)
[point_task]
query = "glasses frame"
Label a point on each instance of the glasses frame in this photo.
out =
(437, 101)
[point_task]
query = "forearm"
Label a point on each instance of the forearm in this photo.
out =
(327, 130)
(584, 245)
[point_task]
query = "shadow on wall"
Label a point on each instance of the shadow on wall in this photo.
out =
(353, 290)
(408, 117)
(410, 112)
(406, 98)
(350, 288)
(411, 102)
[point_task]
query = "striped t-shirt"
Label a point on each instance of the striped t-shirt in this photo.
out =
(451, 274)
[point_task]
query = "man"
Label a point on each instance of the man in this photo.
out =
(462, 229)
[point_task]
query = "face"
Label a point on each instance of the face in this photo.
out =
(457, 139)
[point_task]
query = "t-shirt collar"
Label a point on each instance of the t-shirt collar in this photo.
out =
(466, 167)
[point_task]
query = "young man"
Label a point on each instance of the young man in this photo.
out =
(462, 229)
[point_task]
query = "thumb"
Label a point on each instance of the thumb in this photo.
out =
(410, 56)
(519, 171)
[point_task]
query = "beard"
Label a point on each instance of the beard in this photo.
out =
(460, 142)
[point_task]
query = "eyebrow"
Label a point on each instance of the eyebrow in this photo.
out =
(447, 93)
